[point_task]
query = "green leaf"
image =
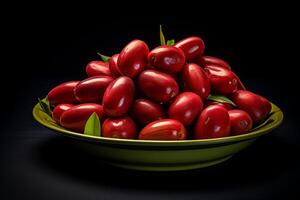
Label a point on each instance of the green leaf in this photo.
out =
(220, 98)
(45, 106)
(171, 42)
(103, 57)
(161, 36)
(92, 125)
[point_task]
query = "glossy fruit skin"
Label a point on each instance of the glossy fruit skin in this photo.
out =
(203, 61)
(121, 127)
(145, 111)
(91, 90)
(63, 93)
(96, 68)
(186, 107)
(240, 122)
(75, 118)
(255, 105)
(192, 47)
(194, 79)
(118, 96)
(167, 58)
(59, 110)
(163, 129)
(213, 122)
(227, 106)
(133, 58)
(158, 86)
(113, 66)
(223, 81)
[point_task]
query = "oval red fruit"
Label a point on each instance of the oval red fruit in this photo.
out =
(185, 107)
(240, 122)
(145, 111)
(192, 47)
(163, 129)
(91, 90)
(195, 79)
(113, 66)
(210, 60)
(213, 122)
(63, 93)
(118, 96)
(133, 58)
(76, 117)
(59, 110)
(167, 58)
(96, 68)
(122, 127)
(159, 86)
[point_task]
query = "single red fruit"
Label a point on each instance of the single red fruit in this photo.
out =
(195, 79)
(255, 105)
(122, 127)
(213, 122)
(192, 47)
(133, 58)
(118, 96)
(227, 106)
(63, 93)
(223, 81)
(159, 86)
(210, 60)
(113, 66)
(75, 118)
(185, 107)
(163, 129)
(240, 122)
(96, 68)
(59, 110)
(91, 90)
(167, 58)
(145, 111)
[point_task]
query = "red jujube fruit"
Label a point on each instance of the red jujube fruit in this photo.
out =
(121, 127)
(63, 93)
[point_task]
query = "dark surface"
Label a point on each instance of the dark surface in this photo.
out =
(38, 164)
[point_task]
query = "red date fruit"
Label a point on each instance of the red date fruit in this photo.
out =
(185, 107)
(195, 79)
(240, 122)
(122, 127)
(145, 111)
(210, 60)
(118, 96)
(192, 47)
(96, 68)
(227, 106)
(255, 105)
(223, 81)
(167, 58)
(91, 90)
(113, 66)
(63, 93)
(75, 118)
(133, 58)
(213, 122)
(59, 110)
(163, 129)
(159, 86)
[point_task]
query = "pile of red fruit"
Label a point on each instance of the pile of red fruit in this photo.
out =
(170, 93)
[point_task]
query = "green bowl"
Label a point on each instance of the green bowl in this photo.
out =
(164, 155)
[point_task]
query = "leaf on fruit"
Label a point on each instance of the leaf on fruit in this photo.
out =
(171, 42)
(92, 126)
(220, 99)
(45, 106)
(103, 57)
(161, 36)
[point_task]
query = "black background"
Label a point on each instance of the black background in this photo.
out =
(48, 46)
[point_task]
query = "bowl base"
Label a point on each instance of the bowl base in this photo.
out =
(177, 167)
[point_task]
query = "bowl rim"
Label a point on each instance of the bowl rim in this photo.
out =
(274, 119)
